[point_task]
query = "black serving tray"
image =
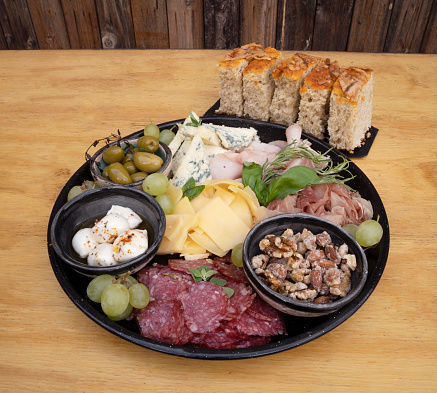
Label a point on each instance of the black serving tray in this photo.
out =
(358, 152)
(300, 330)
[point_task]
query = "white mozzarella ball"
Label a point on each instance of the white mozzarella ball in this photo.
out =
(83, 242)
(109, 227)
(132, 218)
(101, 256)
(130, 244)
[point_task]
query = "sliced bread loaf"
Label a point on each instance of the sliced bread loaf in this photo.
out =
(350, 108)
(314, 98)
(230, 72)
(288, 76)
(258, 85)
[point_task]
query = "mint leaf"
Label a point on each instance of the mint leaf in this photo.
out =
(190, 190)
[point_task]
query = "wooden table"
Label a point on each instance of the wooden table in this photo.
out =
(54, 104)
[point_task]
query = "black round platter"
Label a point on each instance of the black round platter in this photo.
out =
(300, 330)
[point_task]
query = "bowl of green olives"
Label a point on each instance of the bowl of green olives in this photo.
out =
(128, 161)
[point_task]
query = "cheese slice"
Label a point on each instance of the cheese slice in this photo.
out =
(183, 207)
(241, 209)
(221, 224)
(249, 197)
(174, 192)
(224, 194)
(178, 234)
(192, 248)
(205, 241)
(173, 226)
(176, 143)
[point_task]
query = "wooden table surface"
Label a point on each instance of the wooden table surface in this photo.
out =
(54, 104)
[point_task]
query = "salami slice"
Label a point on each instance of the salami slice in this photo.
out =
(261, 310)
(230, 270)
(247, 324)
(205, 304)
(183, 265)
(162, 320)
(241, 300)
(217, 339)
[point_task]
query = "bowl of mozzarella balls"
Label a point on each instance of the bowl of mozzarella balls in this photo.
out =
(109, 230)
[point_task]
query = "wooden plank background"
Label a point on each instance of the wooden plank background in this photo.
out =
(397, 26)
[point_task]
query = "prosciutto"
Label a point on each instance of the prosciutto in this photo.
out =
(333, 202)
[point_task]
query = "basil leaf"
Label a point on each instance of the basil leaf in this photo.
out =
(228, 291)
(290, 182)
(218, 281)
(252, 177)
(193, 192)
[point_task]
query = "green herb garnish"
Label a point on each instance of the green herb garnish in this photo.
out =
(194, 121)
(205, 273)
(190, 190)
(270, 182)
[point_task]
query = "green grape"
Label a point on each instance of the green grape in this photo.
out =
(89, 185)
(74, 191)
(124, 314)
(139, 296)
(115, 299)
(151, 130)
(166, 136)
(369, 233)
(97, 286)
(131, 280)
(155, 184)
(237, 255)
(166, 202)
(351, 229)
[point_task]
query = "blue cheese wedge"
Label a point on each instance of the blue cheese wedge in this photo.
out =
(194, 164)
(212, 151)
(180, 154)
(233, 138)
(209, 137)
(176, 143)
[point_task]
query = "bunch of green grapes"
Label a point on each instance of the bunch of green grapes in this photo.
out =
(368, 234)
(118, 296)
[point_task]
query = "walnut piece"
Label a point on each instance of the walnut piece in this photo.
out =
(278, 246)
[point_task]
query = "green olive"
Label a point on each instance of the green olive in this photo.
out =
(150, 143)
(119, 174)
(147, 162)
(105, 172)
(130, 167)
(137, 176)
(113, 154)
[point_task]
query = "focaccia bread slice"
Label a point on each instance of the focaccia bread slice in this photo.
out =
(258, 85)
(350, 108)
(230, 73)
(314, 98)
(288, 76)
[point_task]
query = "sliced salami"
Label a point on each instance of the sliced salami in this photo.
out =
(230, 270)
(217, 339)
(247, 324)
(205, 304)
(162, 320)
(241, 300)
(183, 265)
(261, 310)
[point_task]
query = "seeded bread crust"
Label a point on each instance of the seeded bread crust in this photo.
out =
(350, 112)
(288, 76)
(314, 98)
(230, 72)
(258, 85)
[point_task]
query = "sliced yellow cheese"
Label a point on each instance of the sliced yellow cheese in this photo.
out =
(249, 197)
(174, 192)
(179, 237)
(192, 248)
(242, 210)
(224, 182)
(221, 224)
(205, 241)
(183, 207)
(200, 201)
(173, 226)
(224, 194)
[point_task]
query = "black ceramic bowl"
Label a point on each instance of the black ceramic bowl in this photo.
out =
(94, 204)
(97, 164)
(297, 222)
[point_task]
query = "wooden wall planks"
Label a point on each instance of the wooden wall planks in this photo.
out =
(403, 26)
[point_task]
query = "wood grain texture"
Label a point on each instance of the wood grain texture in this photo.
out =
(370, 22)
(82, 24)
(331, 26)
(49, 24)
(150, 24)
(116, 26)
(407, 25)
(75, 97)
(429, 42)
(295, 24)
(185, 24)
(222, 21)
(16, 24)
(258, 22)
